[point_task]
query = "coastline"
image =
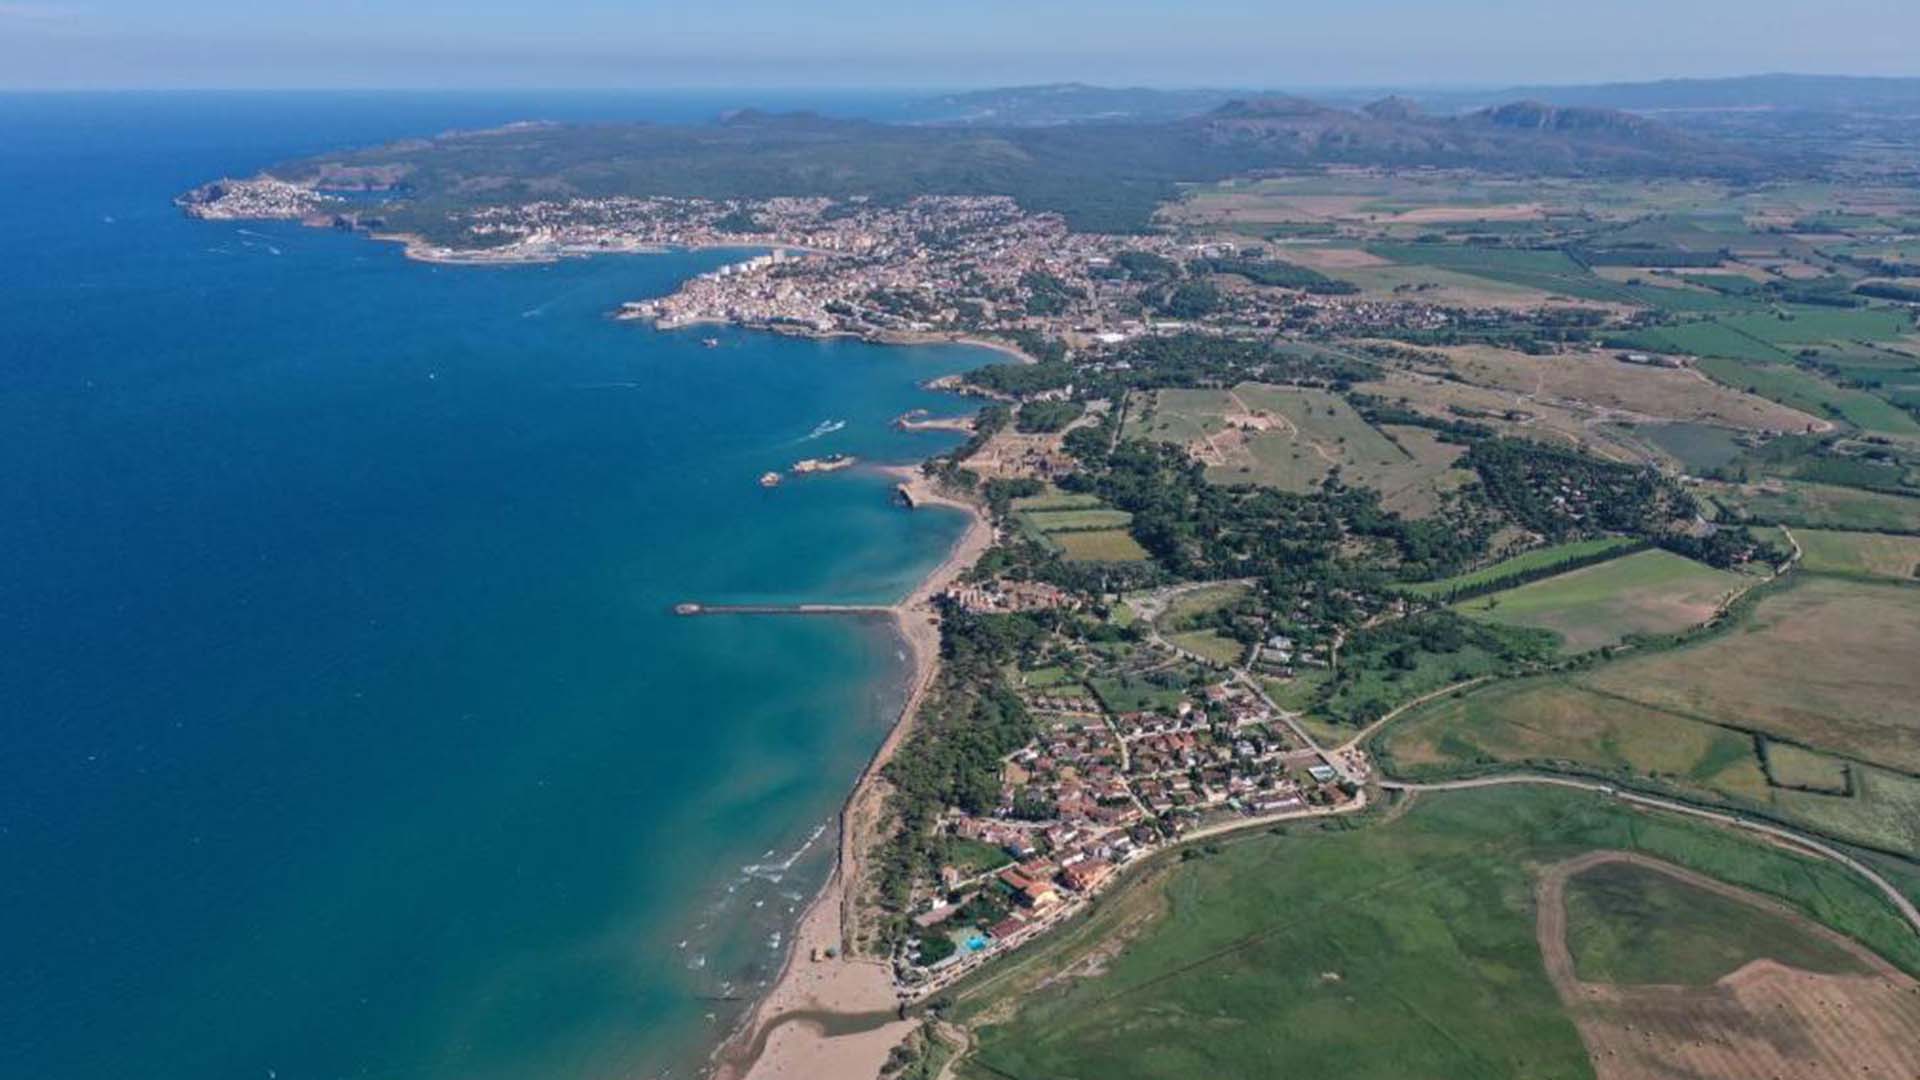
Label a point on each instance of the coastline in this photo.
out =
(784, 1035)
(789, 1031)
(417, 248)
(883, 337)
(825, 1014)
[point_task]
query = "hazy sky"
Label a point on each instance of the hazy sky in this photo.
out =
(849, 43)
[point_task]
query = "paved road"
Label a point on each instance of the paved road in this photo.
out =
(1899, 900)
(1156, 604)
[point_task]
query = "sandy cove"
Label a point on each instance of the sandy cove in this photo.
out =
(784, 1037)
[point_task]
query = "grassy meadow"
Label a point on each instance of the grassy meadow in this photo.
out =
(1819, 670)
(1875, 555)
(1523, 563)
(1405, 948)
(1826, 663)
(1291, 438)
(1635, 925)
(1080, 527)
(1648, 592)
(1554, 721)
(1816, 506)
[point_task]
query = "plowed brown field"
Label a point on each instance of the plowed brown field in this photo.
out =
(1765, 1021)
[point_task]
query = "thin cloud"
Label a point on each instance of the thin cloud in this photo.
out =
(37, 12)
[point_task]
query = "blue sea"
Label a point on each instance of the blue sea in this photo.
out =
(345, 730)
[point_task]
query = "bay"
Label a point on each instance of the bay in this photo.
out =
(345, 729)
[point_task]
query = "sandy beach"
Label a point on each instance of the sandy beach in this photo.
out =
(784, 1037)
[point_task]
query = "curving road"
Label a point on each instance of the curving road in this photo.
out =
(1899, 900)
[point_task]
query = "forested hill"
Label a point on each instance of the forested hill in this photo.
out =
(1102, 176)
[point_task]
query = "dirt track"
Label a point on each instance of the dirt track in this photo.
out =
(1763, 1021)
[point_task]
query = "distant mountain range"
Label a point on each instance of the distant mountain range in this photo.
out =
(1104, 175)
(1064, 103)
(1809, 93)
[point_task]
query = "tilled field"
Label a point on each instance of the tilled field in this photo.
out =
(1764, 1021)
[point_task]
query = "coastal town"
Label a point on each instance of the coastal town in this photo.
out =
(929, 268)
(1246, 501)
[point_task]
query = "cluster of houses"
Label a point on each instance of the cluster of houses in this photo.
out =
(1003, 596)
(935, 264)
(1096, 791)
(260, 198)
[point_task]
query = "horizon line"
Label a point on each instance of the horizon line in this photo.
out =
(877, 88)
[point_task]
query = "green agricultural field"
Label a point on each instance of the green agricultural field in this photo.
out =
(1525, 562)
(1818, 506)
(1193, 603)
(1365, 690)
(1160, 690)
(1857, 553)
(1883, 811)
(1799, 389)
(1042, 678)
(1776, 335)
(1706, 339)
(1826, 662)
(1902, 874)
(1797, 767)
(1319, 417)
(1553, 722)
(1635, 925)
(1757, 351)
(1058, 521)
(1213, 645)
(1548, 271)
(1648, 592)
(1796, 325)
(1559, 722)
(1110, 545)
(1130, 693)
(1390, 279)
(1297, 693)
(1313, 432)
(1058, 500)
(1180, 416)
(1698, 448)
(1416, 489)
(1688, 301)
(1290, 438)
(972, 856)
(1404, 949)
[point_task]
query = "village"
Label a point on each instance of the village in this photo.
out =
(932, 265)
(1100, 789)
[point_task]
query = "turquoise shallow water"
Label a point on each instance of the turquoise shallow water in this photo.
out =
(346, 729)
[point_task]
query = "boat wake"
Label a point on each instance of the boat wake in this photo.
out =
(824, 427)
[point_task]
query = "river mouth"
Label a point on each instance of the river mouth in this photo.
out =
(831, 1025)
